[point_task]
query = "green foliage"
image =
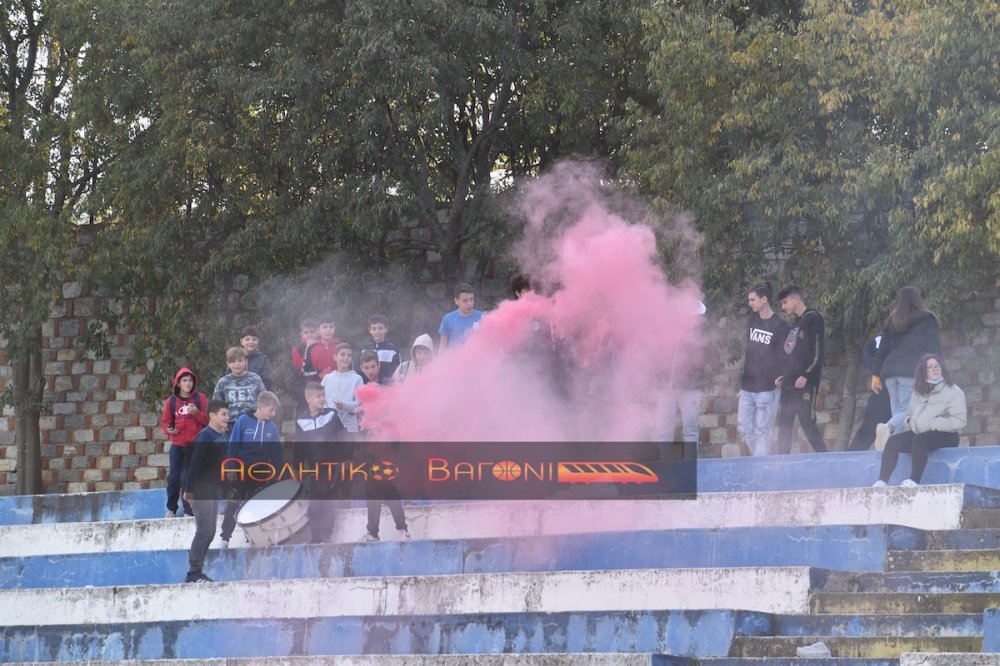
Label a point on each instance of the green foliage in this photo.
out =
(851, 149)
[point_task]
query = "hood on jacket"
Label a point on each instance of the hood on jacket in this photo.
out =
(423, 340)
(177, 381)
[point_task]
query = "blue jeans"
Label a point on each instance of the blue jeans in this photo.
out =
(900, 390)
(689, 404)
(755, 419)
(175, 479)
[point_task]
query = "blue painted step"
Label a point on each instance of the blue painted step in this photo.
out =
(692, 633)
(979, 465)
(850, 548)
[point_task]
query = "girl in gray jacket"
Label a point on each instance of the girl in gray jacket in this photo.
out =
(936, 414)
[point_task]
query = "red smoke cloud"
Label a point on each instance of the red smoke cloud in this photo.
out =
(584, 361)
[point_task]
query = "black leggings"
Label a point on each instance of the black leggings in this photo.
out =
(919, 445)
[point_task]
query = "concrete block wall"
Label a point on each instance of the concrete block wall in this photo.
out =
(99, 434)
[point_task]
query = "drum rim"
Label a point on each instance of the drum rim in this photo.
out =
(293, 498)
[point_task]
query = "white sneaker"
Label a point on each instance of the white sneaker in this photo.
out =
(817, 650)
(369, 537)
(170, 514)
(403, 533)
(880, 484)
(223, 543)
(882, 433)
(908, 483)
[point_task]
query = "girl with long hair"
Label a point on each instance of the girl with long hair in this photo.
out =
(936, 414)
(910, 331)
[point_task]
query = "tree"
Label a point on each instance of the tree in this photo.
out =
(50, 168)
(256, 137)
(820, 149)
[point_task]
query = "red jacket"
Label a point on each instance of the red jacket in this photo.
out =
(321, 355)
(176, 411)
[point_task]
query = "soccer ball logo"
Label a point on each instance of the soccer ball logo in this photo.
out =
(384, 470)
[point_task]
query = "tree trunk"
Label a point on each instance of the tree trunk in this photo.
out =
(849, 392)
(29, 384)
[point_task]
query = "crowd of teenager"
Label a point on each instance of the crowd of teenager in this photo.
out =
(239, 422)
(914, 406)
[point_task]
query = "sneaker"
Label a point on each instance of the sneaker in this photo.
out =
(369, 537)
(170, 514)
(198, 578)
(880, 484)
(882, 433)
(908, 483)
(223, 543)
(816, 650)
(403, 532)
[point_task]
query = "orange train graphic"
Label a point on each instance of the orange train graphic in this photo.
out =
(604, 472)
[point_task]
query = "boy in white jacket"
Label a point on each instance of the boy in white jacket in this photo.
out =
(340, 387)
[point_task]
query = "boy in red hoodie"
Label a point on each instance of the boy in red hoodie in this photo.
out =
(183, 418)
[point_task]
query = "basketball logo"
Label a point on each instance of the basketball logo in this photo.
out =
(506, 470)
(384, 470)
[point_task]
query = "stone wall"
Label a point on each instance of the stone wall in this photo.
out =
(99, 433)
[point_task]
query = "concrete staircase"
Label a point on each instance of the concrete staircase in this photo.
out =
(774, 554)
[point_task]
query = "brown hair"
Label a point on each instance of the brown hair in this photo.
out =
(920, 375)
(905, 306)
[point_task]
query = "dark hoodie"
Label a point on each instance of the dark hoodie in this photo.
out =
(901, 350)
(176, 411)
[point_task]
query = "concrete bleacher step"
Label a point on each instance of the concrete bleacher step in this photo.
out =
(905, 659)
(943, 560)
(974, 539)
(856, 624)
(765, 589)
(976, 466)
(853, 548)
(869, 603)
(926, 507)
(655, 632)
(981, 519)
(917, 582)
(581, 659)
(858, 647)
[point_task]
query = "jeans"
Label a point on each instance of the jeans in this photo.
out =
(175, 478)
(756, 414)
(689, 404)
(900, 389)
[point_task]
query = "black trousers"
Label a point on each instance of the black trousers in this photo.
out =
(379, 493)
(877, 410)
(801, 403)
(917, 445)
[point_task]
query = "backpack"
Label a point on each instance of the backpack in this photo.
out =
(173, 407)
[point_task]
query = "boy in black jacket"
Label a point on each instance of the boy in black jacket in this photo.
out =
(387, 352)
(320, 438)
(805, 347)
(202, 488)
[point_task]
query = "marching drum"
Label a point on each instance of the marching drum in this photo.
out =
(278, 514)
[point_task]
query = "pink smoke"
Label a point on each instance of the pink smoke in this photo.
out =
(614, 333)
